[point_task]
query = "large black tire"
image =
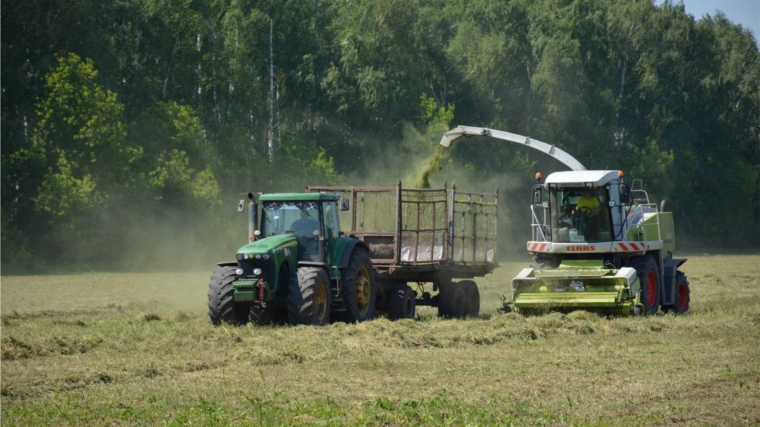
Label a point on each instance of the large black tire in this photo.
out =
(471, 297)
(650, 282)
(309, 297)
(683, 296)
(359, 287)
(401, 303)
(221, 299)
(451, 301)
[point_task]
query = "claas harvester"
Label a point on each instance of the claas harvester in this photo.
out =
(597, 244)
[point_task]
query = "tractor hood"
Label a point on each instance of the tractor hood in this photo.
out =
(269, 244)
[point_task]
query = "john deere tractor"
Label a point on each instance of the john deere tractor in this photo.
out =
(297, 267)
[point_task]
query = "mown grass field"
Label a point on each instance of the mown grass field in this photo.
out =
(137, 349)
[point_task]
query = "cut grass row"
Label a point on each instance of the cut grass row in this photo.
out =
(138, 349)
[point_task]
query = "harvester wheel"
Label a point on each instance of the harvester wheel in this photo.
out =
(221, 299)
(683, 296)
(451, 301)
(309, 297)
(359, 287)
(472, 297)
(649, 279)
(401, 302)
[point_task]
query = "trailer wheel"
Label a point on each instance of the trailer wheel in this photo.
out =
(359, 287)
(221, 299)
(683, 296)
(472, 297)
(649, 279)
(451, 301)
(401, 303)
(309, 297)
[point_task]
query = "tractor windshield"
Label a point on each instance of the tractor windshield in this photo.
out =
(301, 218)
(580, 215)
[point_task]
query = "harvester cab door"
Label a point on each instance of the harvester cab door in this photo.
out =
(540, 211)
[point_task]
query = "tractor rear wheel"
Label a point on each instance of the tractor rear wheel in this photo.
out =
(401, 303)
(359, 287)
(472, 297)
(683, 296)
(451, 301)
(309, 297)
(221, 299)
(649, 280)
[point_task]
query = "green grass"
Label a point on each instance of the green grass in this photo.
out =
(137, 349)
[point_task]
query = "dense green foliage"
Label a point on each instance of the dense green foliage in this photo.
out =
(130, 124)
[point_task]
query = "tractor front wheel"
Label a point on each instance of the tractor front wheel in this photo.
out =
(401, 303)
(309, 297)
(359, 287)
(221, 299)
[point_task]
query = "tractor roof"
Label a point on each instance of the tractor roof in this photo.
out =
(596, 178)
(299, 196)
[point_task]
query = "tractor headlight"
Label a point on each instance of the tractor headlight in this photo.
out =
(258, 256)
(265, 256)
(239, 257)
(239, 271)
(256, 271)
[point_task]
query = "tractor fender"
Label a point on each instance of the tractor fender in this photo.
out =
(317, 264)
(670, 266)
(344, 247)
(227, 264)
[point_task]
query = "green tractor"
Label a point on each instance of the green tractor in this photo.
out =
(297, 267)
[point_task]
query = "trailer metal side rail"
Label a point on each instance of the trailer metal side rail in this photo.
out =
(423, 215)
(473, 226)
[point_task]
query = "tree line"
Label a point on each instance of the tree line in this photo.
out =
(130, 127)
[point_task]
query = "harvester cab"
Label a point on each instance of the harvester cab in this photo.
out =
(597, 244)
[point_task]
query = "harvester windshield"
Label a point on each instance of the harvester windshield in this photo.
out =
(582, 215)
(575, 215)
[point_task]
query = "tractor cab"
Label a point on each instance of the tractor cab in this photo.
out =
(311, 217)
(579, 207)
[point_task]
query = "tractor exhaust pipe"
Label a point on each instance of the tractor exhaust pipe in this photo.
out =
(253, 217)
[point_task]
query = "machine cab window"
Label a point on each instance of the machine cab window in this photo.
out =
(301, 218)
(582, 215)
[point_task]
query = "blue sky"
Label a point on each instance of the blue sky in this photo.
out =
(744, 12)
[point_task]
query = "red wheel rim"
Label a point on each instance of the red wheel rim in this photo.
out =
(683, 297)
(651, 288)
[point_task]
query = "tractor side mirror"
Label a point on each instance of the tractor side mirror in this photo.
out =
(537, 195)
(343, 204)
(625, 194)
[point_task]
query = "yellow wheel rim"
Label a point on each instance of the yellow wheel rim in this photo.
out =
(363, 290)
(321, 301)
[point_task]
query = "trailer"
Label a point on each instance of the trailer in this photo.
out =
(429, 238)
